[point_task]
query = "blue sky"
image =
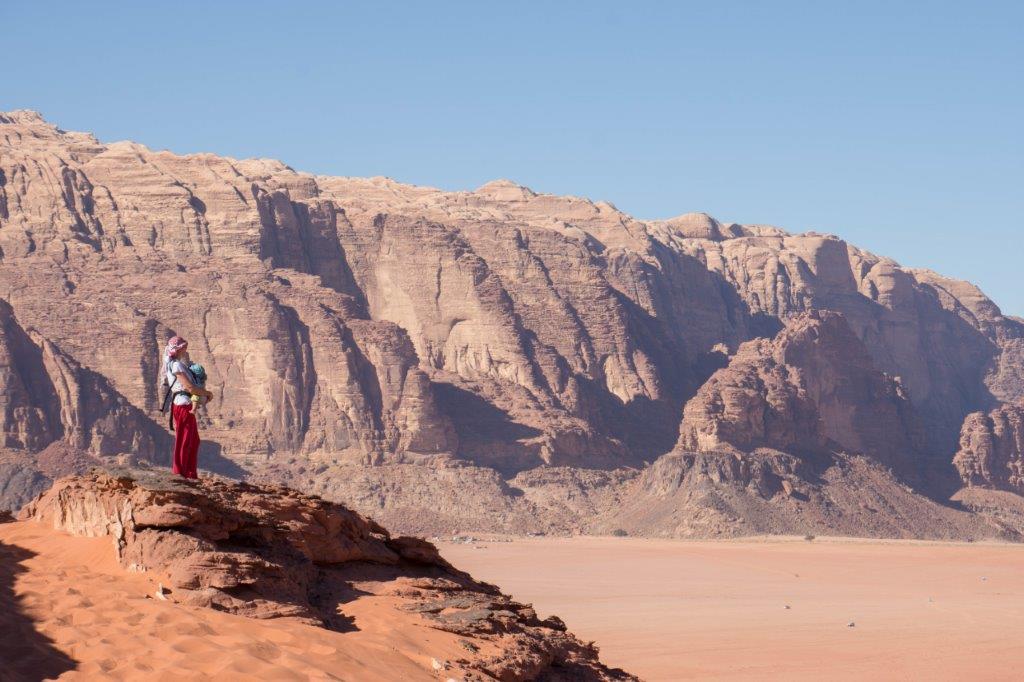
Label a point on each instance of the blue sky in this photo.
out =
(896, 125)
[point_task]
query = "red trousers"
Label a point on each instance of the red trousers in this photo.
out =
(186, 442)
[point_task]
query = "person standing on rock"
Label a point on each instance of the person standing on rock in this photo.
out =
(181, 387)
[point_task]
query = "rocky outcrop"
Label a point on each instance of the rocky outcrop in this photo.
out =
(20, 482)
(811, 390)
(766, 492)
(947, 342)
(271, 552)
(991, 450)
(215, 539)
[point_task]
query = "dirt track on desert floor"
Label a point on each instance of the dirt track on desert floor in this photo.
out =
(676, 610)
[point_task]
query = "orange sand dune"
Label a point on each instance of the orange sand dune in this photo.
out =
(672, 610)
(67, 609)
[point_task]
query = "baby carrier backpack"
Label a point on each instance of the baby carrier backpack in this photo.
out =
(169, 381)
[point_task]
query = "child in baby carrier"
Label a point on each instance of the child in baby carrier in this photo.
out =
(199, 373)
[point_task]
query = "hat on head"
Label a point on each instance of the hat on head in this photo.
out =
(176, 345)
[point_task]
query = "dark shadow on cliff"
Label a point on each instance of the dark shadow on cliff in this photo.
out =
(475, 417)
(31, 389)
(684, 292)
(305, 237)
(25, 653)
(959, 354)
(365, 375)
(687, 296)
(305, 382)
(763, 325)
(487, 434)
(20, 480)
(648, 427)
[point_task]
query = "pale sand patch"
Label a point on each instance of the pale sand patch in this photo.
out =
(671, 610)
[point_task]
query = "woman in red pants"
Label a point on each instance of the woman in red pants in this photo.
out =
(183, 386)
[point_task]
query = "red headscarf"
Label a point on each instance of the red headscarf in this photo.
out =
(175, 346)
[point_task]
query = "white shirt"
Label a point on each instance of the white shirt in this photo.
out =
(175, 367)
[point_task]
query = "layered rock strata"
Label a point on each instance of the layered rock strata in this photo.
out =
(349, 322)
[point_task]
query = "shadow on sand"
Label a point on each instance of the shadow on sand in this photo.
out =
(25, 653)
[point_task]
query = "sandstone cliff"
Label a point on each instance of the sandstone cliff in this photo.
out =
(992, 448)
(348, 323)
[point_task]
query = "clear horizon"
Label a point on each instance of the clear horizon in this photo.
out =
(896, 127)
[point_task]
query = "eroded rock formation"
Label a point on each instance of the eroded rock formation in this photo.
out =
(272, 552)
(348, 322)
(811, 389)
(992, 448)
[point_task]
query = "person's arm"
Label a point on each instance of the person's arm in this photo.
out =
(192, 388)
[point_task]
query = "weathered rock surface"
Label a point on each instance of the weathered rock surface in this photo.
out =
(457, 499)
(21, 482)
(688, 494)
(812, 389)
(272, 552)
(991, 450)
(947, 342)
(348, 322)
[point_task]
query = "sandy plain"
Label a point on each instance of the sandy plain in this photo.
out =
(679, 610)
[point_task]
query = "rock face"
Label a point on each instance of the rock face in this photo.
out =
(348, 322)
(811, 389)
(991, 450)
(272, 552)
(64, 413)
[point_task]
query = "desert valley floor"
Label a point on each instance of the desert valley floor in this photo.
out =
(775, 608)
(671, 610)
